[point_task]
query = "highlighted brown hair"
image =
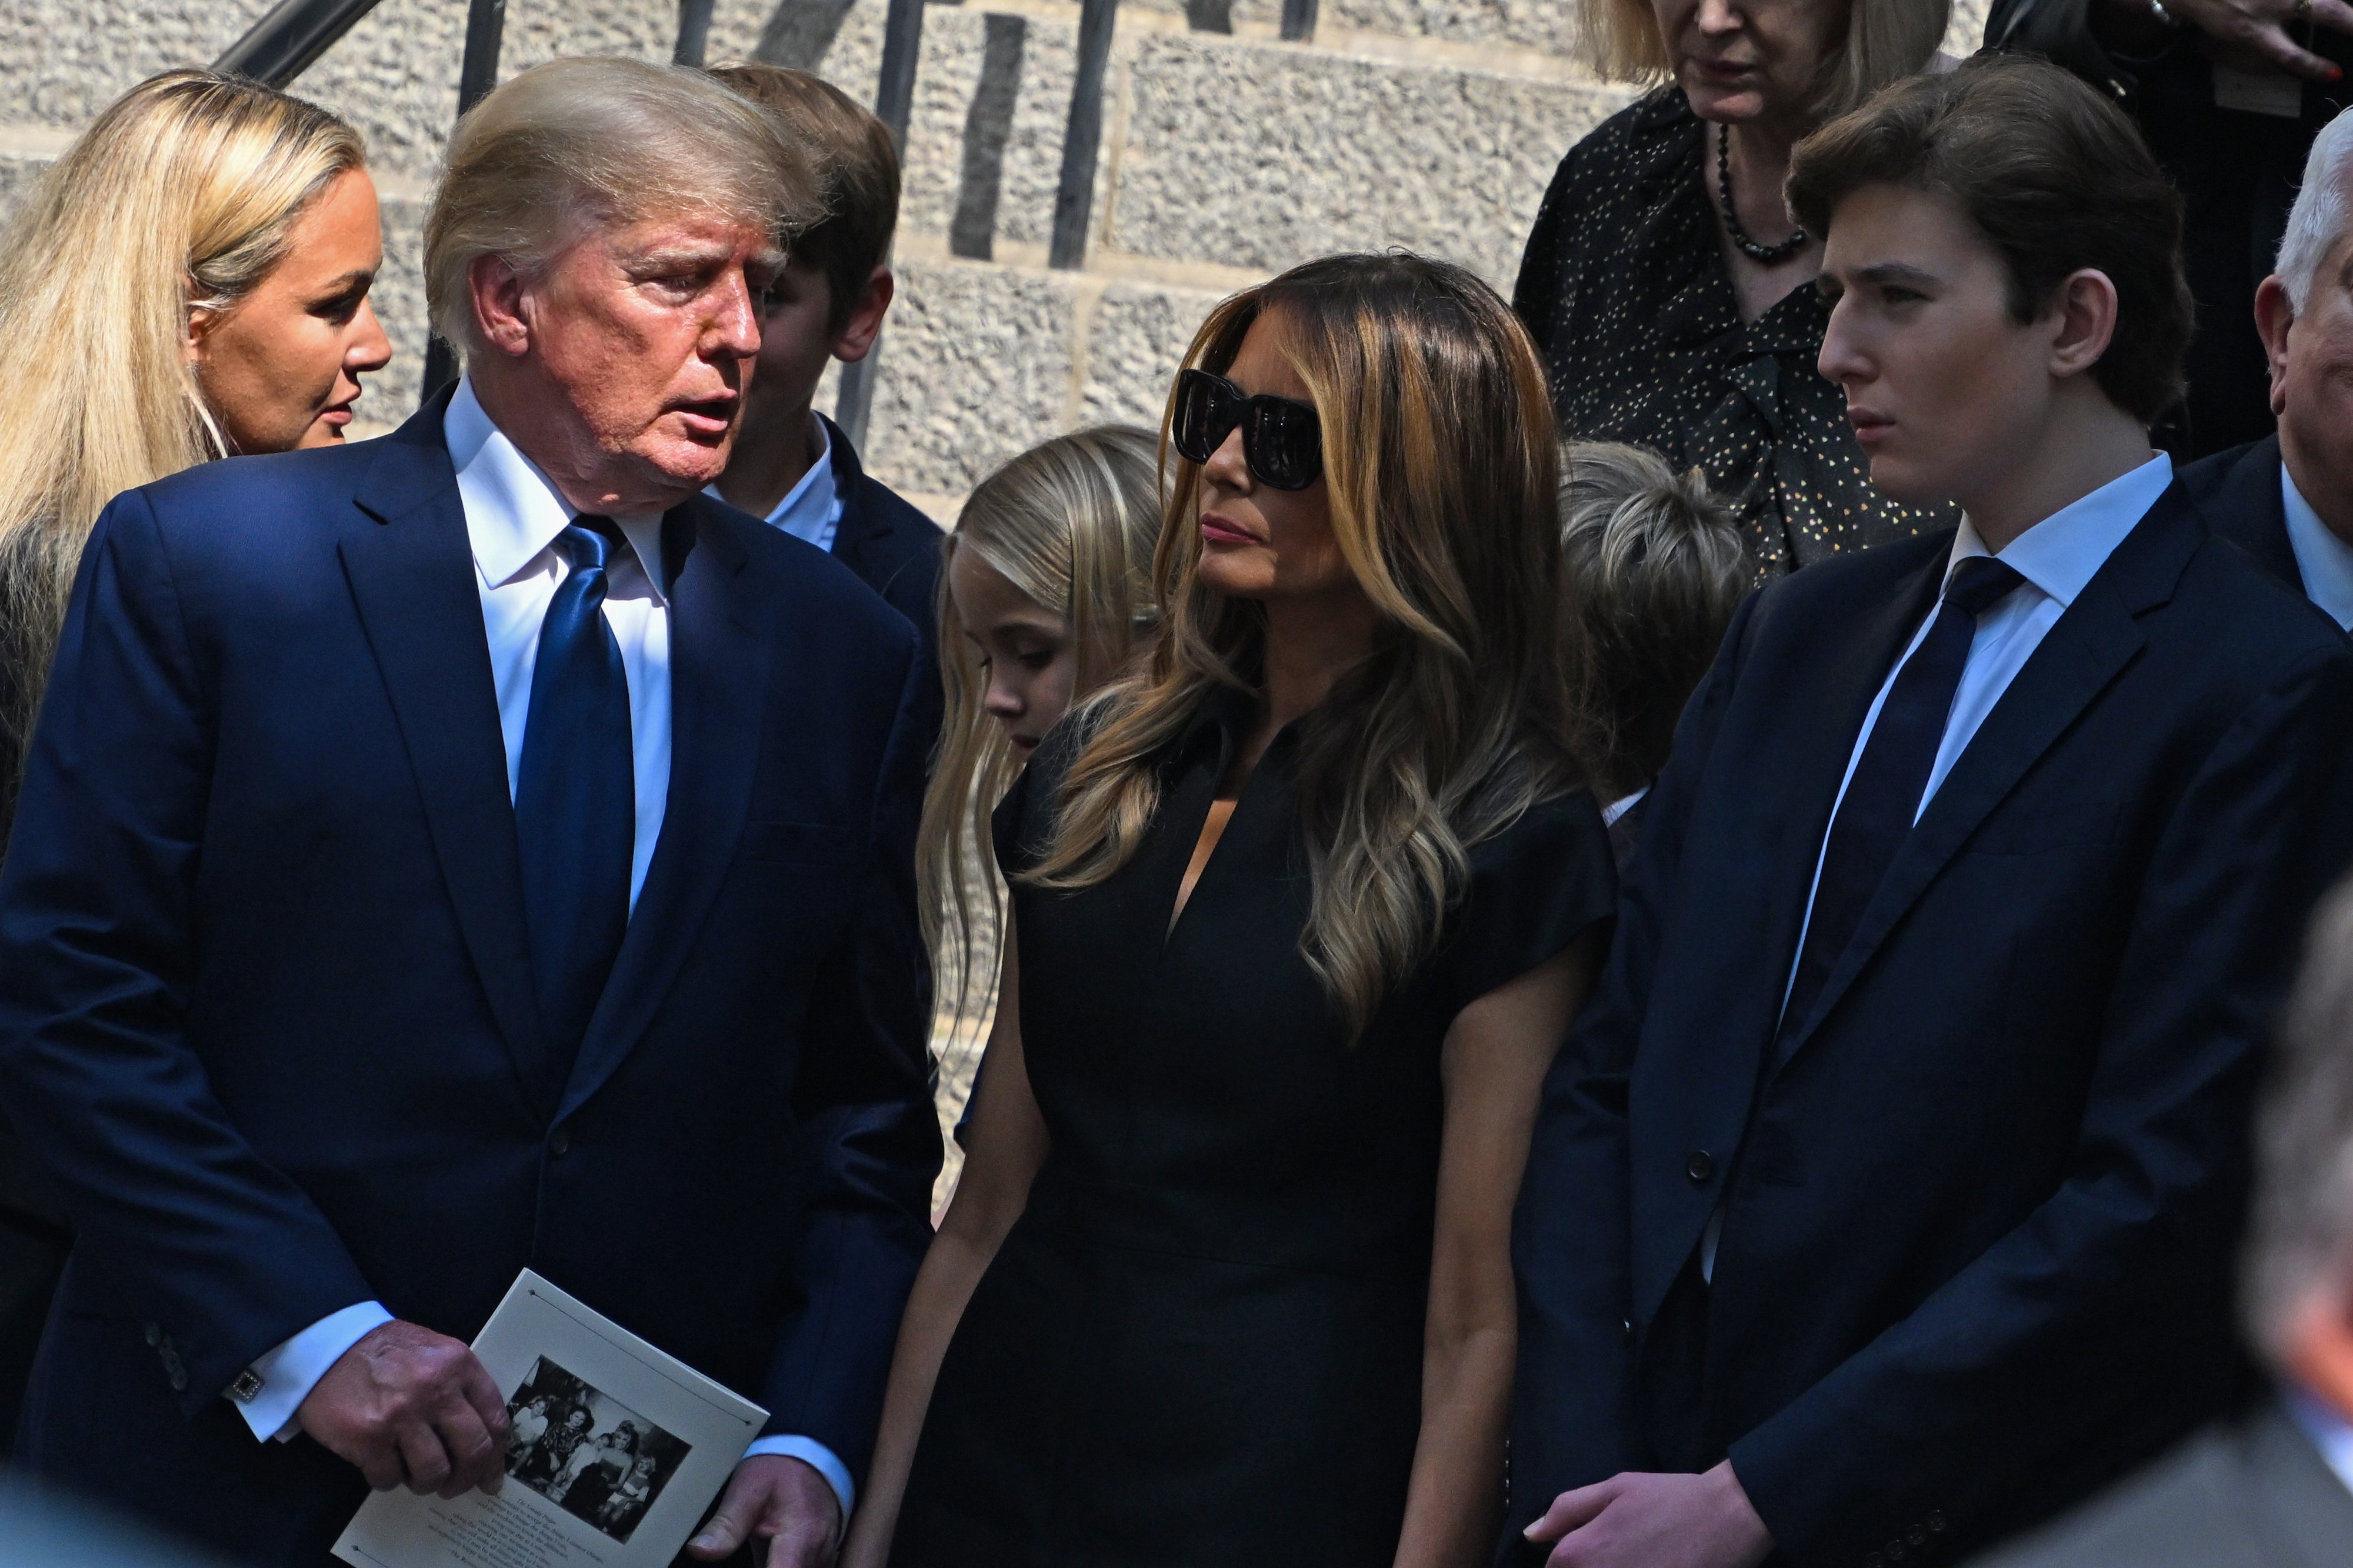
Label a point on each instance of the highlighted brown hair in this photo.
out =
(1438, 455)
(2054, 177)
(858, 175)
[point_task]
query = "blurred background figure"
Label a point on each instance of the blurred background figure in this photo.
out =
(1668, 289)
(1652, 567)
(2228, 94)
(189, 281)
(2274, 1490)
(1048, 593)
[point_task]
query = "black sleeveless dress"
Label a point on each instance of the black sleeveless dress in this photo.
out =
(1201, 1343)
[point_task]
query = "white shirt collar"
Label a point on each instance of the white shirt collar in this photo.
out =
(811, 510)
(2325, 561)
(2062, 552)
(513, 510)
(2330, 1432)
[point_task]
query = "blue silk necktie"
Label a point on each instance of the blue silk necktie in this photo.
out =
(1884, 795)
(575, 798)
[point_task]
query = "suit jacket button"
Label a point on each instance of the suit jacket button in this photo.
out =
(1700, 1166)
(1626, 1330)
(1874, 1560)
(155, 1336)
(559, 1143)
(1937, 1520)
(179, 1381)
(1894, 1549)
(1917, 1536)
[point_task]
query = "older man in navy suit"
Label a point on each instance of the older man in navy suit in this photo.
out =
(470, 850)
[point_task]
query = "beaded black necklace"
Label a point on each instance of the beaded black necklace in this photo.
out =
(1763, 254)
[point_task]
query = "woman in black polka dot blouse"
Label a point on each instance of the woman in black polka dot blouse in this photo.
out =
(1671, 296)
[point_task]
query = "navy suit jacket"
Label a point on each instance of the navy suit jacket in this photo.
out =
(266, 1009)
(895, 551)
(1981, 1206)
(2237, 493)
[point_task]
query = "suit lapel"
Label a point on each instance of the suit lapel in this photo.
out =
(719, 676)
(2248, 510)
(859, 525)
(2090, 644)
(412, 578)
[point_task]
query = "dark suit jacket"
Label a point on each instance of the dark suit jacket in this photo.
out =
(266, 1008)
(2237, 493)
(1981, 1204)
(895, 551)
(2254, 1496)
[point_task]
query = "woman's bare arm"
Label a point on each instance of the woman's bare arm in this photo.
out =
(1491, 1068)
(1006, 1144)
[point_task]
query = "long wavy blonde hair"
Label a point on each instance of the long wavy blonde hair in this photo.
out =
(182, 195)
(1071, 523)
(1440, 458)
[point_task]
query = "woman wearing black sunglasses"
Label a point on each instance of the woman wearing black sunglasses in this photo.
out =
(1300, 915)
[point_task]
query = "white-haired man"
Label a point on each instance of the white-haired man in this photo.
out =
(2288, 500)
(2274, 1490)
(476, 849)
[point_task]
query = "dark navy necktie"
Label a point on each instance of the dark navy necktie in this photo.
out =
(575, 798)
(1884, 795)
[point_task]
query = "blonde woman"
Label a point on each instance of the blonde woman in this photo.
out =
(1046, 595)
(189, 281)
(1300, 915)
(1668, 289)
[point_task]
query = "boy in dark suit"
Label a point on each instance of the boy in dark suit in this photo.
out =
(1885, 1201)
(792, 465)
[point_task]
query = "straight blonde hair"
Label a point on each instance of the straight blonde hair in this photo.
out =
(1439, 459)
(1071, 523)
(1886, 40)
(184, 195)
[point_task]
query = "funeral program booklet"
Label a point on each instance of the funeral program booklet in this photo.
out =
(616, 1451)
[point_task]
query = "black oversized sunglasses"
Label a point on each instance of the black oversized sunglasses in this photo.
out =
(1282, 441)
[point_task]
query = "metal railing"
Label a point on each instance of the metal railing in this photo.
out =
(287, 40)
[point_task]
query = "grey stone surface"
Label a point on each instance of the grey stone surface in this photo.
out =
(1252, 155)
(1135, 341)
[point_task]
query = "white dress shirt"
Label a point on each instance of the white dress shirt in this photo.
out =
(513, 515)
(811, 510)
(2330, 1432)
(2056, 557)
(2325, 561)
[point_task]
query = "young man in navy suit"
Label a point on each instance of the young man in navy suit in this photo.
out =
(1885, 1201)
(792, 465)
(2288, 500)
(473, 851)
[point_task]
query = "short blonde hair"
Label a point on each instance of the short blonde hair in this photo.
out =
(593, 142)
(184, 195)
(1886, 40)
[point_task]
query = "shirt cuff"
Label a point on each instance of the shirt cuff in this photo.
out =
(819, 1457)
(279, 1380)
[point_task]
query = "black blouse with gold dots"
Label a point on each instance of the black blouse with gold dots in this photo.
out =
(1625, 288)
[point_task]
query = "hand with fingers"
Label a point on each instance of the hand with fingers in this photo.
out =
(781, 1503)
(2266, 34)
(411, 1407)
(1637, 1520)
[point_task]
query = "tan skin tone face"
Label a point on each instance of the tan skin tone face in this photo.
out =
(1946, 391)
(2312, 383)
(774, 447)
(281, 368)
(1750, 60)
(1026, 649)
(1257, 541)
(620, 369)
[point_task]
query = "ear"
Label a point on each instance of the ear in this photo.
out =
(2084, 319)
(194, 325)
(2275, 314)
(501, 305)
(856, 339)
(2320, 1350)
